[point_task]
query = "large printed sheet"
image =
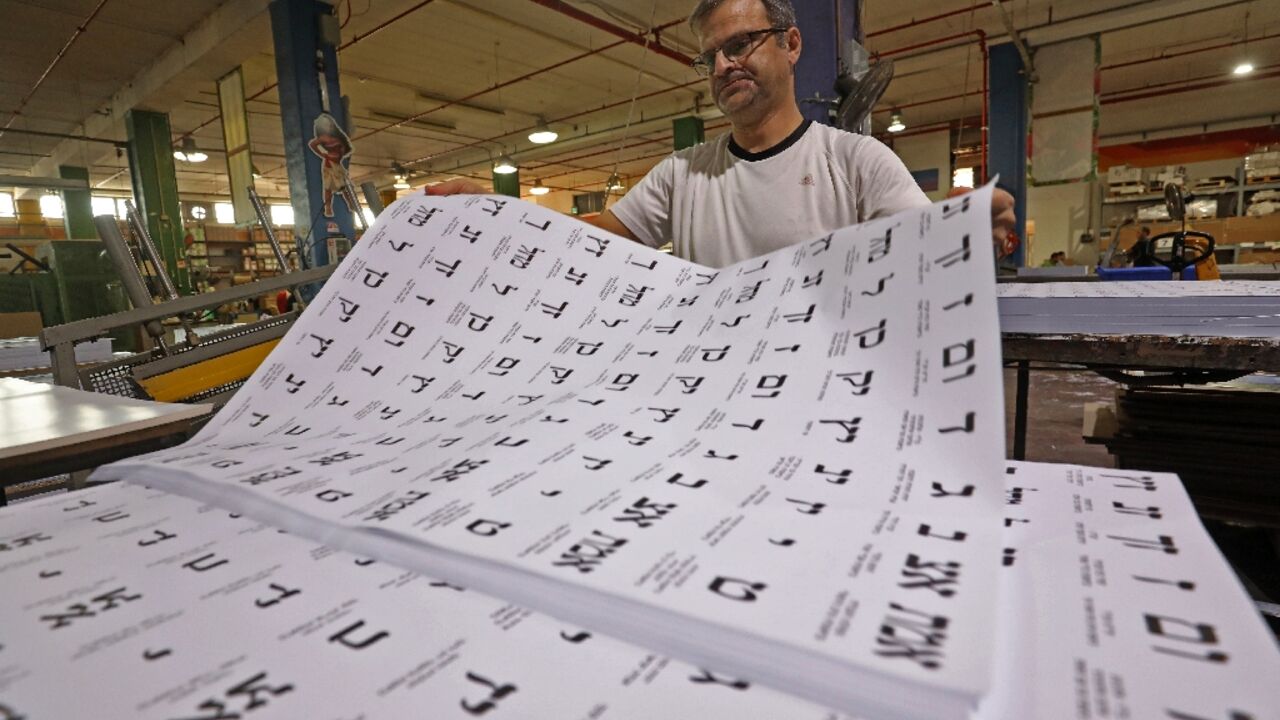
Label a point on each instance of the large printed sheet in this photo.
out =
(782, 469)
(1116, 604)
(127, 602)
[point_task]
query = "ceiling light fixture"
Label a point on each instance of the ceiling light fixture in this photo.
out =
(538, 188)
(613, 183)
(1243, 68)
(896, 123)
(505, 165)
(401, 175)
(543, 134)
(189, 151)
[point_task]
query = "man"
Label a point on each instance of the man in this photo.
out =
(775, 179)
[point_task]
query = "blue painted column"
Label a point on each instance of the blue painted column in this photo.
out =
(301, 52)
(1007, 135)
(826, 26)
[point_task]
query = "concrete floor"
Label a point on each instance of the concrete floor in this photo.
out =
(1055, 413)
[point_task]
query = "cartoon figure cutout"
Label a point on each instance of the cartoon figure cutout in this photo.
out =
(333, 146)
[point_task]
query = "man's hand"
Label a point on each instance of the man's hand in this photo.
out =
(457, 186)
(1003, 219)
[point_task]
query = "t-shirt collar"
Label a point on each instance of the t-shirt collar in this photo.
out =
(767, 153)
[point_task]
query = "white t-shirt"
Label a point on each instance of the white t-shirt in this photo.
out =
(719, 204)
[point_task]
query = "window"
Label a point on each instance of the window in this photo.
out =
(224, 213)
(281, 214)
(103, 206)
(6, 205)
(368, 216)
(962, 177)
(122, 208)
(51, 206)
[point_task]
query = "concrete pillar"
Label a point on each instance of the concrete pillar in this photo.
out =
(826, 28)
(688, 131)
(508, 184)
(1007, 144)
(155, 190)
(305, 33)
(77, 206)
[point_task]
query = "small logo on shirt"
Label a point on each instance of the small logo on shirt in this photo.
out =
(806, 180)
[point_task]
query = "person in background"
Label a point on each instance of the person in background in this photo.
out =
(775, 179)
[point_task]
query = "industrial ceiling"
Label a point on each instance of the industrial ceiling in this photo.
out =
(441, 85)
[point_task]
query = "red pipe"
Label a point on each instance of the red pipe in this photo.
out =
(1188, 52)
(495, 138)
(627, 36)
(986, 97)
(1224, 80)
(930, 101)
(354, 39)
(930, 43)
(922, 21)
(84, 25)
(1217, 76)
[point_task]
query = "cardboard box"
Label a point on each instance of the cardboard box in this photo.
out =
(20, 324)
(1122, 174)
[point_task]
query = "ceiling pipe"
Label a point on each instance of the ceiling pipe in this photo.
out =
(1185, 53)
(926, 20)
(84, 25)
(354, 39)
(492, 88)
(1227, 79)
(561, 119)
(653, 46)
(68, 136)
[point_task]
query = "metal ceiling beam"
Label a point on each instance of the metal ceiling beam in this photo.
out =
(1121, 19)
(224, 37)
(54, 183)
(635, 38)
(80, 28)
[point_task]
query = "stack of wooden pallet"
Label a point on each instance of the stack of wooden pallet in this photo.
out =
(1222, 439)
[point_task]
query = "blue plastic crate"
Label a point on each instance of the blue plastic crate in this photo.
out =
(1143, 273)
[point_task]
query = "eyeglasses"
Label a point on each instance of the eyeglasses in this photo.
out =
(738, 48)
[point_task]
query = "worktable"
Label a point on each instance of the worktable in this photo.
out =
(48, 430)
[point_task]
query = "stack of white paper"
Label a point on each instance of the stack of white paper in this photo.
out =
(24, 353)
(765, 469)
(127, 602)
(1236, 308)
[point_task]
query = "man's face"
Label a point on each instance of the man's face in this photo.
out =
(747, 88)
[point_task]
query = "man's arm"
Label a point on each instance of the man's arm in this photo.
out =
(606, 220)
(609, 222)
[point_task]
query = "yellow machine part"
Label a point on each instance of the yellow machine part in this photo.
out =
(1207, 270)
(185, 382)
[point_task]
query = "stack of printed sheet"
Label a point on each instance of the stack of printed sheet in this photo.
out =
(506, 465)
(1229, 308)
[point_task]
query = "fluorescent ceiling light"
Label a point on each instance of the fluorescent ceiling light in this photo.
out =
(1243, 68)
(505, 165)
(401, 183)
(613, 183)
(538, 188)
(896, 123)
(543, 134)
(189, 151)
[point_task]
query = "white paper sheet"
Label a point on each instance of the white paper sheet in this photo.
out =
(125, 602)
(1116, 604)
(783, 468)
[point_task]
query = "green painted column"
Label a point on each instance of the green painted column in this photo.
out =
(688, 131)
(508, 184)
(155, 189)
(78, 217)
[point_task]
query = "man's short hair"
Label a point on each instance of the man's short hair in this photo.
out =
(781, 13)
